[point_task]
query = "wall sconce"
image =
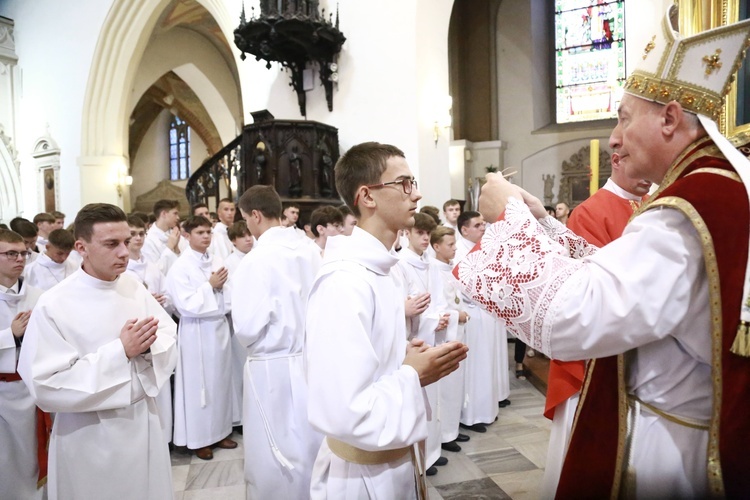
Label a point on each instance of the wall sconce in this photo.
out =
(123, 179)
(445, 121)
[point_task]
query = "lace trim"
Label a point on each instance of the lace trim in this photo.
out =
(577, 246)
(518, 270)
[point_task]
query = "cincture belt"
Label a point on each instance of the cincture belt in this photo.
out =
(271, 441)
(363, 457)
(693, 423)
(10, 377)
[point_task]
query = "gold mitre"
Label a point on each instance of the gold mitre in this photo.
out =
(696, 71)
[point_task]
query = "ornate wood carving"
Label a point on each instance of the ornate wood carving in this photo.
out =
(295, 157)
(574, 184)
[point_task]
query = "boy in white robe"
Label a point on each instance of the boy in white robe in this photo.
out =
(451, 388)
(97, 350)
(29, 232)
(45, 224)
(148, 274)
(221, 244)
(350, 221)
(324, 222)
(203, 398)
(52, 266)
(483, 338)
(163, 244)
(365, 382)
(19, 470)
(418, 278)
(243, 242)
(272, 284)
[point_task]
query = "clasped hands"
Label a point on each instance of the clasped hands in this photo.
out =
(434, 363)
(495, 195)
(138, 336)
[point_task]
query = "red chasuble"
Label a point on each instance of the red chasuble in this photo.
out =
(600, 219)
(703, 185)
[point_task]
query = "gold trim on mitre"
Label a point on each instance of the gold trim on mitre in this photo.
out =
(695, 71)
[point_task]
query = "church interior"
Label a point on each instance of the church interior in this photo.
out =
(132, 101)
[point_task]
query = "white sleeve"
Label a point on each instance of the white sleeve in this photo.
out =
(629, 293)
(251, 287)
(60, 380)
(7, 350)
(346, 401)
(192, 299)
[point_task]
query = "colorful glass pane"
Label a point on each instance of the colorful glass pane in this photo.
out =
(589, 58)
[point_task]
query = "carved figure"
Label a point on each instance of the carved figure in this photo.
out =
(549, 181)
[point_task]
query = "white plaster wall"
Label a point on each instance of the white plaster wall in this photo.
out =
(151, 163)
(523, 106)
(393, 83)
(55, 42)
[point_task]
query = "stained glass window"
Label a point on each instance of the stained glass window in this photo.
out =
(589, 58)
(179, 149)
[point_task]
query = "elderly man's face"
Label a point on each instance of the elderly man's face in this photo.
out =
(637, 139)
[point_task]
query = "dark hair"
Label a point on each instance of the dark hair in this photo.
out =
(345, 210)
(197, 206)
(363, 164)
(264, 199)
(62, 239)
(324, 216)
(450, 203)
(165, 206)
(135, 221)
(195, 221)
(424, 222)
(94, 213)
(8, 236)
(238, 230)
(289, 204)
(24, 227)
(465, 217)
(432, 212)
(43, 217)
(549, 208)
(144, 218)
(439, 233)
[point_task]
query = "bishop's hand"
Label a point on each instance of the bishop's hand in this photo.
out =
(138, 336)
(494, 196)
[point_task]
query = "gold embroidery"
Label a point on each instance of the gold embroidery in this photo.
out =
(713, 62)
(716, 171)
(649, 47)
(715, 480)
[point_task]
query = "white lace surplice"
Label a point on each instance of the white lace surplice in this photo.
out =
(519, 269)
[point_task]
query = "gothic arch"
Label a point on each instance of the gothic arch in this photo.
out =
(122, 42)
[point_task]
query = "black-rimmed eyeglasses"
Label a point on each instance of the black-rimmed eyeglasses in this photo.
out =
(13, 255)
(408, 184)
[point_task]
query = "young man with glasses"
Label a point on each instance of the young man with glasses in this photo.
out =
(365, 382)
(19, 471)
